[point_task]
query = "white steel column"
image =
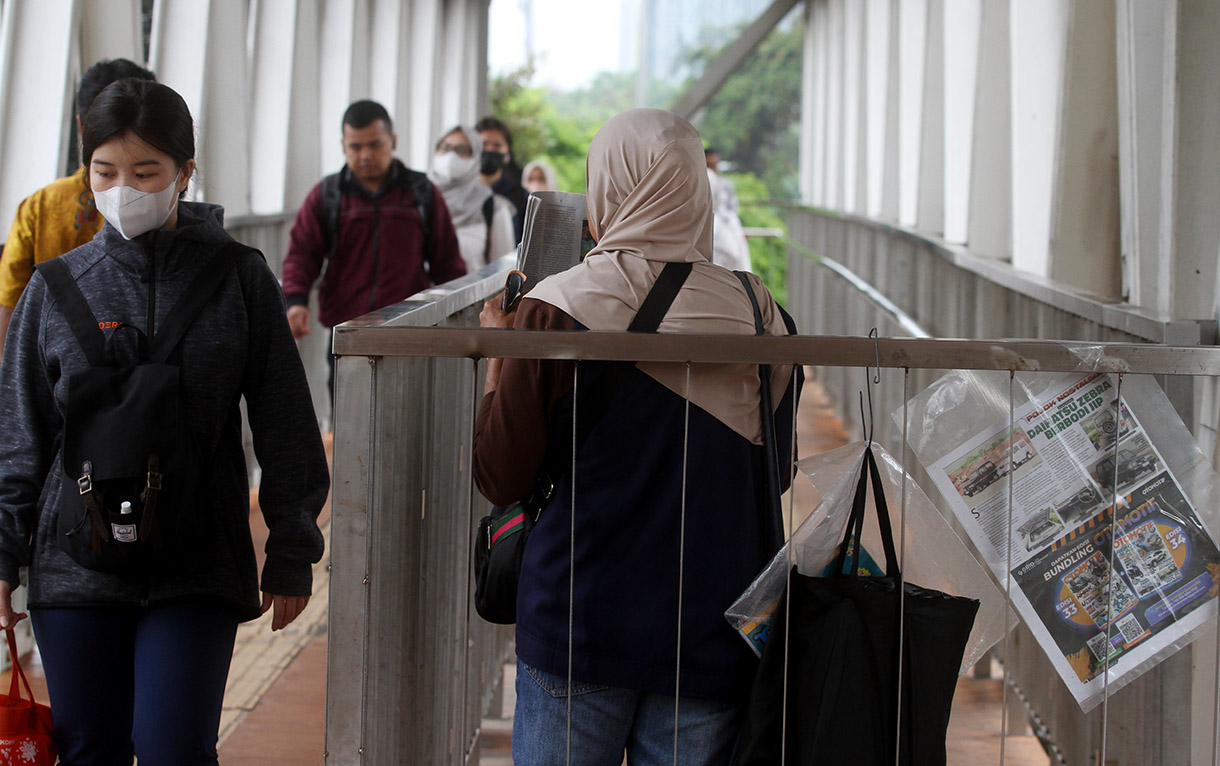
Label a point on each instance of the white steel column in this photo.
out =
(990, 223)
(417, 83)
(110, 29)
(1039, 32)
(454, 58)
(930, 195)
(343, 72)
(477, 101)
(876, 78)
(284, 130)
(819, 37)
(1196, 161)
(853, 99)
(385, 48)
(808, 107)
(1141, 36)
(199, 49)
(962, 19)
(890, 175)
(912, 24)
(833, 160)
(1084, 211)
(36, 90)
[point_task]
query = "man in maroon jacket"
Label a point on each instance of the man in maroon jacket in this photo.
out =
(381, 230)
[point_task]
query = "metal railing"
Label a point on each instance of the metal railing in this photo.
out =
(411, 669)
(847, 274)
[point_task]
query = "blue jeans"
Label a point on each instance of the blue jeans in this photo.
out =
(148, 680)
(608, 722)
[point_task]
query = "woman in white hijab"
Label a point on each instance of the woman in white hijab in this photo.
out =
(538, 175)
(621, 601)
(483, 220)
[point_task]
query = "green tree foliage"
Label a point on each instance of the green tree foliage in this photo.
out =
(768, 255)
(754, 119)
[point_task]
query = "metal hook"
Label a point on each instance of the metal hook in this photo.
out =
(876, 353)
(869, 380)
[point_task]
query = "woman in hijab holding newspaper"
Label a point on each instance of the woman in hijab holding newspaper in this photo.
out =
(669, 499)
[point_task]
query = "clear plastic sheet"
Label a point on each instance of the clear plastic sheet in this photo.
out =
(931, 554)
(1037, 501)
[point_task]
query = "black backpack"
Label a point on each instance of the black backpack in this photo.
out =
(133, 494)
(332, 199)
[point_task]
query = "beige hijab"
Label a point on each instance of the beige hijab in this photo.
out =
(650, 204)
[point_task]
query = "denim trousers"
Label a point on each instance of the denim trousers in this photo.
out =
(607, 722)
(146, 680)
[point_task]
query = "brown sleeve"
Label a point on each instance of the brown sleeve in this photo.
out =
(510, 435)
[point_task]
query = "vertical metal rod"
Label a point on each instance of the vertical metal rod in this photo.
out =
(681, 558)
(788, 569)
(902, 552)
(1105, 683)
(572, 556)
(1012, 376)
(1216, 692)
(370, 499)
(470, 581)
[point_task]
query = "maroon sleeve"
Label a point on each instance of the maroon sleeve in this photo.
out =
(444, 258)
(306, 250)
(510, 435)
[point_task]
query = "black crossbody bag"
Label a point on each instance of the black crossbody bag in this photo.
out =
(499, 542)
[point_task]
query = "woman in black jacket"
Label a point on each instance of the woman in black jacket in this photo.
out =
(136, 656)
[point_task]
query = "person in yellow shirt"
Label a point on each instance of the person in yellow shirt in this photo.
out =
(60, 216)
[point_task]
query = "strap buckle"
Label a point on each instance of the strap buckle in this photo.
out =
(154, 475)
(85, 482)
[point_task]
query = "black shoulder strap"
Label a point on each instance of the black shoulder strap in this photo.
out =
(183, 314)
(489, 210)
(594, 402)
(773, 524)
(489, 214)
(75, 309)
(660, 297)
(332, 200)
(421, 190)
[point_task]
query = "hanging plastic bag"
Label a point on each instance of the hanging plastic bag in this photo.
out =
(931, 552)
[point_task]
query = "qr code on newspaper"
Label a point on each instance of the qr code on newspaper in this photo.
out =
(1097, 645)
(1131, 629)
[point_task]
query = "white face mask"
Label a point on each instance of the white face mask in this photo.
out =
(449, 167)
(133, 212)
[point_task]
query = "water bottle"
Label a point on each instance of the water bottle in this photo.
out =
(125, 532)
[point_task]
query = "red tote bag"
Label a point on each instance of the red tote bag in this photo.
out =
(25, 726)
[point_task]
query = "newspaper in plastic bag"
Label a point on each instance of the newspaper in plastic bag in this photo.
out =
(1093, 508)
(930, 553)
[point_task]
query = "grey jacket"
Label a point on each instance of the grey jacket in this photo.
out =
(239, 346)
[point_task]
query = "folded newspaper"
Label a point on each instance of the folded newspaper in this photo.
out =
(554, 238)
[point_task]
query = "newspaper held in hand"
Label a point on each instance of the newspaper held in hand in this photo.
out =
(555, 238)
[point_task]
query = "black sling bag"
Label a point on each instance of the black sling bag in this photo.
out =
(133, 474)
(501, 535)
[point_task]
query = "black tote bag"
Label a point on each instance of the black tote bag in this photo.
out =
(842, 651)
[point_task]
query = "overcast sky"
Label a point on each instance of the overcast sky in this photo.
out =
(574, 39)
